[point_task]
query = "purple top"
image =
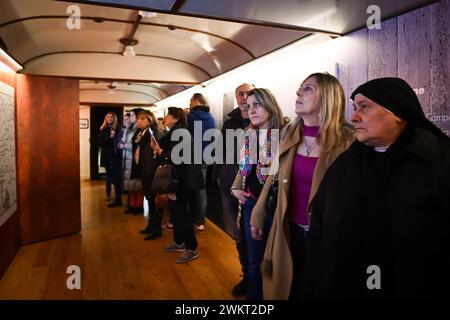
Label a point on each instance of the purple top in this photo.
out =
(311, 131)
(302, 174)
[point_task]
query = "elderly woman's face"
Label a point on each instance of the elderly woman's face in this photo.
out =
(307, 102)
(375, 126)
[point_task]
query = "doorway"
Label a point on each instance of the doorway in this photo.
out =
(97, 115)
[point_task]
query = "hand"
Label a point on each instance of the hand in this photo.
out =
(155, 146)
(121, 146)
(172, 196)
(241, 195)
(257, 234)
(112, 134)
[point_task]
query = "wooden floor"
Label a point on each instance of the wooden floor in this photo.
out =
(116, 263)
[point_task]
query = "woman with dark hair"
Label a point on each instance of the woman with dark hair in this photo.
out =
(133, 186)
(190, 180)
(309, 145)
(381, 216)
(265, 119)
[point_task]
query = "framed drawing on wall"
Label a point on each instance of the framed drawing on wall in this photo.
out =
(8, 194)
(84, 123)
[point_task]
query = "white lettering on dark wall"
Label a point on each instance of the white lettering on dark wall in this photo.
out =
(419, 91)
(438, 117)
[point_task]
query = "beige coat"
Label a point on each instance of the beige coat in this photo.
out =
(277, 265)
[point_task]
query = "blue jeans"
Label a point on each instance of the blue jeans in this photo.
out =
(256, 250)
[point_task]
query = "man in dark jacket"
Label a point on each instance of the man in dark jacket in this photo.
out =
(226, 172)
(199, 115)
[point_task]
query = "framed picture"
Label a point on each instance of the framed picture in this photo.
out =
(84, 123)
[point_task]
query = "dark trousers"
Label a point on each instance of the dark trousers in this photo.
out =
(108, 180)
(183, 231)
(256, 250)
(298, 251)
(116, 176)
(198, 202)
(230, 210)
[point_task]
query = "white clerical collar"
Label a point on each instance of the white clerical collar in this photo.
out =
(380, 149)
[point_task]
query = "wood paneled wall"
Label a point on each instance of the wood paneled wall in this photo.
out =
(415, 47)
(48, 157)
(9, 231)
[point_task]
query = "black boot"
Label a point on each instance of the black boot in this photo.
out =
(147, 228)
(155, 227)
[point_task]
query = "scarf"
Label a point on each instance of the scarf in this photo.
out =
(138, 139)
(263, 157)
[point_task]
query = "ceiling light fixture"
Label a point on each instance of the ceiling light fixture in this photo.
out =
(147, 14)
(129, 51)
(129, 44)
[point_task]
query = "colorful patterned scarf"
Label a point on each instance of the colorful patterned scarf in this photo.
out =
(263, 156)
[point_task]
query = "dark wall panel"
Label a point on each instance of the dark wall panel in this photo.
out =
(414, 51)
(440, 65)
(9, 231)
(383, 55)
(415, 47)
(352, 68)
(48, 155)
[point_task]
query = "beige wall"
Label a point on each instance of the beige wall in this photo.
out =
(85, 166)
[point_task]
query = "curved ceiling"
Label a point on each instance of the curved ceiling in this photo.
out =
(175, 48)
(171, 49)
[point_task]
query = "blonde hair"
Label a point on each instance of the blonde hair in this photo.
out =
(150, 116)
(270, 104)
(332, 113)
(115, 123)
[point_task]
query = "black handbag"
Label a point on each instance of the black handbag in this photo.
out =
(272, 196)
(164, 180)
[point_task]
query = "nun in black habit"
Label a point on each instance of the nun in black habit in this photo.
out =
(380, 219)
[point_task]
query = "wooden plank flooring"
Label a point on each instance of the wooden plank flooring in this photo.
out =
(116, 263)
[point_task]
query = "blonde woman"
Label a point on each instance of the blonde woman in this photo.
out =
(265, 117)
(309, 145)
